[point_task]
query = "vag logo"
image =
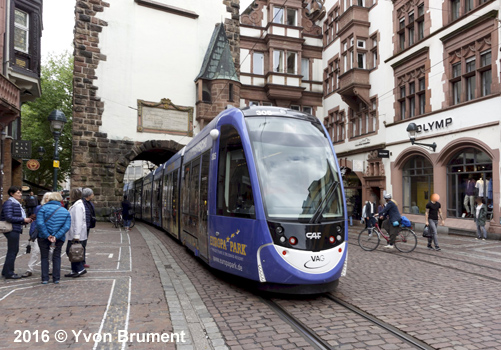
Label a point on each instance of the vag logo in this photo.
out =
(313, 235)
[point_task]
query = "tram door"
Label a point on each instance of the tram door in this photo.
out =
(203, 236)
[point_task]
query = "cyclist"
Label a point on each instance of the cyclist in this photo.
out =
(392, 223)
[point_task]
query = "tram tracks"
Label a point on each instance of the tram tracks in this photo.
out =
(476, 274)
(320, 344)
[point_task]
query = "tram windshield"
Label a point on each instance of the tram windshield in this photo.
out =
(296, 168)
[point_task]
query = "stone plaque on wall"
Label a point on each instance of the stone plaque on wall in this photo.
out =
(164, 117)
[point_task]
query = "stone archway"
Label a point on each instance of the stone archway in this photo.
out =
(101, 165)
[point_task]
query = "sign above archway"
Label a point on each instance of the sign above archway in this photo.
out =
(164, 117)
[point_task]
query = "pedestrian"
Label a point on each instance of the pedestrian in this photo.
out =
(78, 230)
(380, 208)
(433, 212)
(35, 249)
(392, 223)
(480, 218)
(370, 211)
(126, 213)
(14, 213)
(53, 221)
(90, 214)
(31, 204)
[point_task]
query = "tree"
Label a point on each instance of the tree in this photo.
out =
(57, 93)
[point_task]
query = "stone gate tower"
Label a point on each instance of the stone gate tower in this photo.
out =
(100, 155)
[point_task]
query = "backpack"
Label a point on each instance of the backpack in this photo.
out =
(406, 222)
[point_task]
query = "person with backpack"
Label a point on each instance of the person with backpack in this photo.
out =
(53, 221)
(31, 204)
(433, 212)
(392, 223)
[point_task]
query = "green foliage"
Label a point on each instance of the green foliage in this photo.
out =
(57, 93)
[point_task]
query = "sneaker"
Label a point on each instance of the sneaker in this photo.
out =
(430, 247)
(86, 266)
(45, 282)
(437, 248)
(483, 239)
(389, 246)
(56, 282)
(476, 238)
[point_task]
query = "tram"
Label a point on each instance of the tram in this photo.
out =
(258, 194)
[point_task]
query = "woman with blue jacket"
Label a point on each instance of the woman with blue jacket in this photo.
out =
(13, 212)
(53, 221)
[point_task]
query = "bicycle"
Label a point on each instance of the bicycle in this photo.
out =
(116, 217)
(369, 238)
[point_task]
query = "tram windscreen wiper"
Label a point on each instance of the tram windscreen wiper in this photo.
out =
(321, 208)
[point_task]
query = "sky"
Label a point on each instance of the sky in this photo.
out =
(58, 23)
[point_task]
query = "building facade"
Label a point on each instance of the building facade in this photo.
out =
(21, 32)
(384, 65)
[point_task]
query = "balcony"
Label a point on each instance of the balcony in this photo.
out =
(355, 15)
(354, 87)
(9, 100)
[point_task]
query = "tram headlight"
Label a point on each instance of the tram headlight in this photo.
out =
(293, 240)
(282, 239)
(332, 240)
(279, 230)
(338, 237)
(338, 229)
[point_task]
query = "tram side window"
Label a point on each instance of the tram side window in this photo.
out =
(174, 194)
(204, 185)
(186, 189)
(194, 188)
(234, 189)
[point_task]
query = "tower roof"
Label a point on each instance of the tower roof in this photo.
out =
(218, 62)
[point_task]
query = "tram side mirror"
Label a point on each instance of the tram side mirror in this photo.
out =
(214, 133)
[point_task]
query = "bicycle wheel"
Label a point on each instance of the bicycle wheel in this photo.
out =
(368, 239)
(406, 240)
(132, 222)
(116, 220)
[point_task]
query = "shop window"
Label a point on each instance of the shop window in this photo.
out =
(417, 185)
(234, 188)
(469, 174)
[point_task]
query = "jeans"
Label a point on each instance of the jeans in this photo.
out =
(77, 267)
(480, 230)
(44, 245)
(12, 250)
(371, 222)
(432, 225)
(127, 222)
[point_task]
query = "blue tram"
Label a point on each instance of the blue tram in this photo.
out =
(257, 193)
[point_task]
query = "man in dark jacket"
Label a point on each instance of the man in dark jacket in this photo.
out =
(392, 224)
(90, 214)
(370, 211)
(31, 204)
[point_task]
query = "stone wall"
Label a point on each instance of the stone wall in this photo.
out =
(233, 30)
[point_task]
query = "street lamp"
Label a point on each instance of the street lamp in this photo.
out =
(57, 121)
(41, 152)
(411, 129)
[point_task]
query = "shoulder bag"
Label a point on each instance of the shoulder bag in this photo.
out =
(34, 234)
(5, 227)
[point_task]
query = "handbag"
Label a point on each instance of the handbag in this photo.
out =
(76, 252)
(426, 232)
(34, 234)
(5, 226)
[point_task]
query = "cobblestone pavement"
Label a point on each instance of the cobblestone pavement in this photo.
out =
(145, 282)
